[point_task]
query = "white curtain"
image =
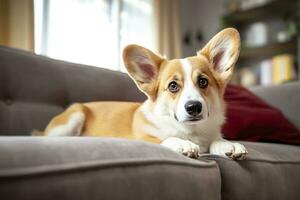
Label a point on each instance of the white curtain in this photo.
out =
(167, 28)
(16, 24)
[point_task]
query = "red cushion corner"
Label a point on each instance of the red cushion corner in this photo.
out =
(250, 118)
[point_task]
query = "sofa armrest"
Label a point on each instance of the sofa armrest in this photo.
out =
(285, 97)
(34, 168)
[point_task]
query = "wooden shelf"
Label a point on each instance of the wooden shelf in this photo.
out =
(273, 11)
(270, 9)
(269, 50)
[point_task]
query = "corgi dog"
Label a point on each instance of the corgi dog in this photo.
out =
(184, 110)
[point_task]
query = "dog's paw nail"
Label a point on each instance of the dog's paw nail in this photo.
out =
(228, 154)
(237, 155)
(195, 155)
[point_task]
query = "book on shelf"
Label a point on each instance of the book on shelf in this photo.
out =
(276, 70)
(283, 68)
(266, 77)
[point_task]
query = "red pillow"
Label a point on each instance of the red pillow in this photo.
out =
(250, 118)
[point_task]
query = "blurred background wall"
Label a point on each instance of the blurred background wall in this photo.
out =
(200, 20)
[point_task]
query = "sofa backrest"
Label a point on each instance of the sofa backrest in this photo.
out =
(285, 97)
(34, 88)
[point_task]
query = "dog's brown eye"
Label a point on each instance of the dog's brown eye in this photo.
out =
(203, 82)
(173, 87)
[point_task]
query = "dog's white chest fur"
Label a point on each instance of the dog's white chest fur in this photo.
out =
(164, 126)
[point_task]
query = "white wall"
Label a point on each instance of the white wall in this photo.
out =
(200, 15)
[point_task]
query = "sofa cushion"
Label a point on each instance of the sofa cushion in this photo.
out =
(271, 171)
(101, 168)
(250, 118)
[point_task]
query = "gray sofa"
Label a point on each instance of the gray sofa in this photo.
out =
(33, 89)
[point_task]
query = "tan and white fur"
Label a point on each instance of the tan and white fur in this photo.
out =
(185, 107)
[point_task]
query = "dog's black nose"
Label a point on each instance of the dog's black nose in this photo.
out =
(193, 108)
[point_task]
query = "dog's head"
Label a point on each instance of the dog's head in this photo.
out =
(189, 90)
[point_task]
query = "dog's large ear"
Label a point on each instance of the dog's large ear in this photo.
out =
(222, 52)
(143, 66)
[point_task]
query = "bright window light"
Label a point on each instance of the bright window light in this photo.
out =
(92, 32)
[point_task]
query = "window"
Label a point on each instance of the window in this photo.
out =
(92, 32)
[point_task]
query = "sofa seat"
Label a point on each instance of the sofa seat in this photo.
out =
(101, 168)
(271, 171)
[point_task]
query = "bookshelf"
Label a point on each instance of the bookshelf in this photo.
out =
(267, 10)
(270, 41)
(269, 50)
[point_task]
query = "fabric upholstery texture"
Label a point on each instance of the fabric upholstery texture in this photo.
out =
(101, 168)
(271, 171)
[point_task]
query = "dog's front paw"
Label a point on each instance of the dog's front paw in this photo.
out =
(181, 146)
(235, 151)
